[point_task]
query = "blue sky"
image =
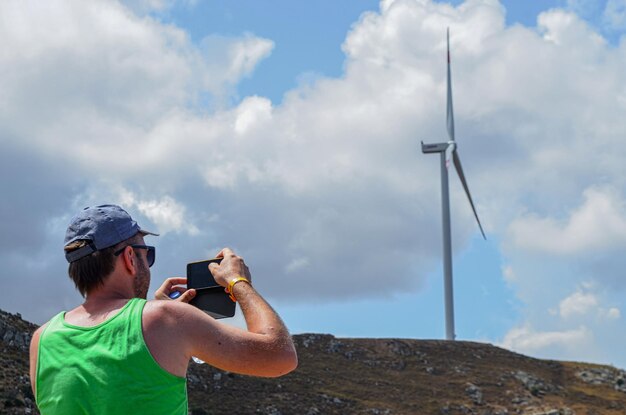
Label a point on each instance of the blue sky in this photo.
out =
(290, 131)
(308, 36)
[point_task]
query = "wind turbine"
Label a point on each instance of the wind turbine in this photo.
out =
(448, 152)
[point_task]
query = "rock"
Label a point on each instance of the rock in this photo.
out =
(475, 393)
(397, 365)
(334, 346)
(310, 339)
(520, 400)
(191, 378)
(604, 376)
(536, 386)
(460, 369)
(15, 399)
(11, 335)
(270, 410)
(399, 348)
(466, 409)
(620, 384)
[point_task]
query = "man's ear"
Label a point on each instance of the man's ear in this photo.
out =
(130, 260)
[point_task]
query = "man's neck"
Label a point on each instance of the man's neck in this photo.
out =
(99, 305)
(95, 311)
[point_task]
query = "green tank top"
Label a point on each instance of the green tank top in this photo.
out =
(105, 369)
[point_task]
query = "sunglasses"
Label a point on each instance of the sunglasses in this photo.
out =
(151, 252)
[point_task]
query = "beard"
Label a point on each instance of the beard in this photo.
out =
(142, 280)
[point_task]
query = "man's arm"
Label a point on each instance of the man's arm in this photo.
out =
(266, 349)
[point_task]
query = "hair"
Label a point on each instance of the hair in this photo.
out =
(90, 272)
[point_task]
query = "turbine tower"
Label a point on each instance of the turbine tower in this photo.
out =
(448, 152)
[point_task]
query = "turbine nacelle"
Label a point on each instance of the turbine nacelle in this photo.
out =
(447, 148)
(434, 148)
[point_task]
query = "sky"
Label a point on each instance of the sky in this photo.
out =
(290, 131)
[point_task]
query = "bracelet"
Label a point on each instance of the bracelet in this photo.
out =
(229, 289)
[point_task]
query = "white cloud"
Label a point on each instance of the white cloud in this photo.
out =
(599, 224)
(229, 59)
(251, 112)
(613, 313)
(103, 83)
(577, 303)
(168, 215)
(562, 27)
(615, 14)
(509, 274)
(297, 264)
(583, 8)
(525, 339)
(158, 6)
(94, 55)
(583, 326)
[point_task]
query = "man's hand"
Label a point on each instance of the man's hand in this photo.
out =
(174, 284)
(231, 267)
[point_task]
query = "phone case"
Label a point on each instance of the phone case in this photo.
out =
(210, 296)
(214, 301)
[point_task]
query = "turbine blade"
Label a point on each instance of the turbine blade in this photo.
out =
(459, 170)
(450, 114)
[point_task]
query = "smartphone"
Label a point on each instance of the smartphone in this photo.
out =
(210, 296)
(199, 276)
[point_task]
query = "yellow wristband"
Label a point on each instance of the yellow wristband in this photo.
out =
(231, 284)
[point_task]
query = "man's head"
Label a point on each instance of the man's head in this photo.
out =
(96, 238)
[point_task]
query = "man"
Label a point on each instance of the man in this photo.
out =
(119, 354)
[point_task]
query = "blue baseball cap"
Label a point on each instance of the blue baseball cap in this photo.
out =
(102, 227)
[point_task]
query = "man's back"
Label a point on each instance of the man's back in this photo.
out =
(106, 368)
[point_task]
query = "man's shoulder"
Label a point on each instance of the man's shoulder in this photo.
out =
(169, 326)
(34, 340)
(163, 316)
(40, 329)
(165, 312)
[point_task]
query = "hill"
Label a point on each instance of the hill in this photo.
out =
(371, 376)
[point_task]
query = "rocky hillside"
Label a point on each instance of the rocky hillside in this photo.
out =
(15, 394)
(372, 376)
